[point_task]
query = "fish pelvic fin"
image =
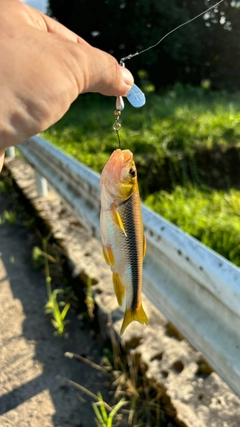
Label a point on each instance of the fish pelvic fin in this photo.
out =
(108, 255)
(117, 218)
(131, 315)
(119, 288)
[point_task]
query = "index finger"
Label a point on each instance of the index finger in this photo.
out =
(45, 23)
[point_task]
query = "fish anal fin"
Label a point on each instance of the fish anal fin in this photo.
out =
(119, 288)
(108, 255)
(130, 315)
(144, 246)
(117, 218)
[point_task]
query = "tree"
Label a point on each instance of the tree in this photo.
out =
(122, 27)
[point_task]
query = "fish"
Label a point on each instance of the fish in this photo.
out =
(122, 234)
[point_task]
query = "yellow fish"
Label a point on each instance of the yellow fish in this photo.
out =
(123, 240)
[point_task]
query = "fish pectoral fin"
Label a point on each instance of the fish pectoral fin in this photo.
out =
(117, 218)
(119, 288)
(131, 315)
(108, 255)
(144, 246)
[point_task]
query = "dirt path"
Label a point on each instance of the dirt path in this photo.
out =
(33, 391)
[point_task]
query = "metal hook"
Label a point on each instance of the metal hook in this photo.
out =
(117, 113)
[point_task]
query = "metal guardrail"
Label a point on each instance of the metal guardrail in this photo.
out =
(195, 288)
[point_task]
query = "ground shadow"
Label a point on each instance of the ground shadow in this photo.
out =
(28, 286)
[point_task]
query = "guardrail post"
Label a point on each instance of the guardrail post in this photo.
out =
(10, 152)
(42, 185)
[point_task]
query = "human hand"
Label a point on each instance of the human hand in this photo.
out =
(43, 68)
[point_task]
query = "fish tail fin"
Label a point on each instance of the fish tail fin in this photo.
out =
(131, 315)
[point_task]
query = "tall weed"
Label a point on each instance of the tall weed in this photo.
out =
(213, 217)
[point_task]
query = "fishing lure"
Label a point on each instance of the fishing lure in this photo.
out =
(135, 96)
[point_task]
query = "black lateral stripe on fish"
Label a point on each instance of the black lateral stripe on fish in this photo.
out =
(132, 249)
(122, 233)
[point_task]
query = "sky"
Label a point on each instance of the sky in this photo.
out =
(38, 4)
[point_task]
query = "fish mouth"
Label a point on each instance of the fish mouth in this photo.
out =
(124, 155)
(127, 156)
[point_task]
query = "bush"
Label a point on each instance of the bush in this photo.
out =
(184, 137)
(213, 217)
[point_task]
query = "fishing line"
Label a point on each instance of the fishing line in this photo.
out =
(135, 96)
(131, 55)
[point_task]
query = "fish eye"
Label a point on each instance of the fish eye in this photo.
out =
(132, 172)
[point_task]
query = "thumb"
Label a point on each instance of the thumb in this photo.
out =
(96, 70)
(102, 73)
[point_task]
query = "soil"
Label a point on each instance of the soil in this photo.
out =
(33, 370)
(179, 168)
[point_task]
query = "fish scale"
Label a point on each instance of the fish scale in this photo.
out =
(131, 247)
(122, 232)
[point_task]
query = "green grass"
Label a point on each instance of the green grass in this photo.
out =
(103, 419)
(172, 123)
(166, 137)
(211, 217)
(168, 133)
(56, 309)
(8, 216)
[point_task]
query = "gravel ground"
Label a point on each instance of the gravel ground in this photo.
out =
(33, 370)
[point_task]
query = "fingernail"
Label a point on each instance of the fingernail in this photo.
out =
(127, 76)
